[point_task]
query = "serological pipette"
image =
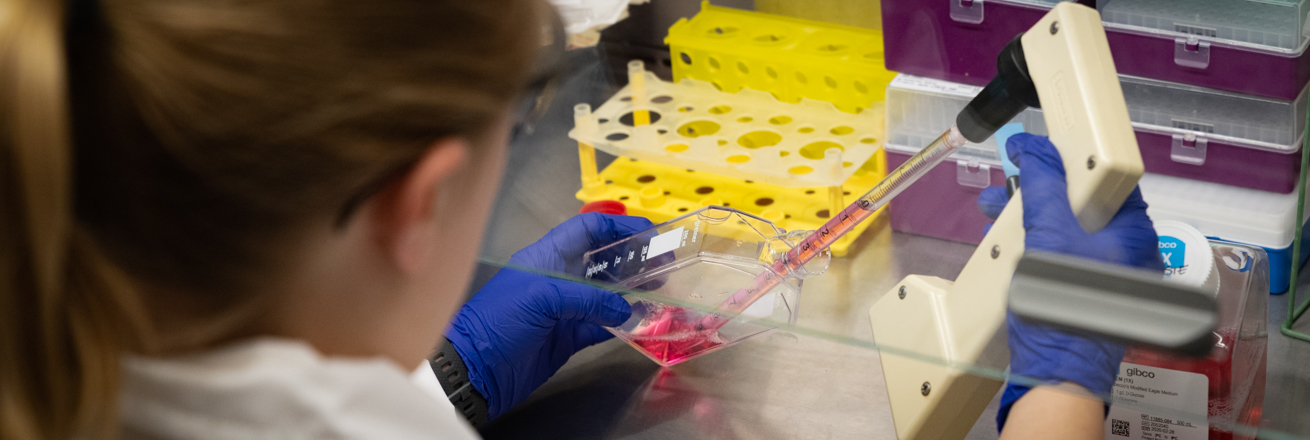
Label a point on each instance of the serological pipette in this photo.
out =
(794, 260)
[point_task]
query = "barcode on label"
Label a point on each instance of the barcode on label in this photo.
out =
(1119, 427)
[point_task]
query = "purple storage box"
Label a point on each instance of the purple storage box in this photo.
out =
(1182, 130)
(1217, 136)
(944, 202)
(958, 40)
(1254, 47)
(1226, 66)
(1224, 162)
(953, 40)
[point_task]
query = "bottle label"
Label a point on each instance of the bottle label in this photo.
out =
(1173, 251)
(1152, 403)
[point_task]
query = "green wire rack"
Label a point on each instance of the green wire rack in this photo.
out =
(1294, 310)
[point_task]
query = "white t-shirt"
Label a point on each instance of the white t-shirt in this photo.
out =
(271, 388)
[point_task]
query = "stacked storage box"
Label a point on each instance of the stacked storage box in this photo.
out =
(1254, 47)
(1221, 117)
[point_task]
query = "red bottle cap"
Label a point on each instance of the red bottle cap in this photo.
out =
(605, 207)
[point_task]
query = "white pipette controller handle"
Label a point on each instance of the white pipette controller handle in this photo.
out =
(953, 326)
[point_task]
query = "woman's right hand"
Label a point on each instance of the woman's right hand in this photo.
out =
(1041, 355)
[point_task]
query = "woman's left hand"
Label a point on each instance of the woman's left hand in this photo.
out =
(521, 327)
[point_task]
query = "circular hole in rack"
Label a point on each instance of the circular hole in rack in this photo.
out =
(799, 170)
(860, 87)
(677, 148)
(722, 142)
(662, 99)
(623, 197)
(773, 74)
(784, 153)
(667, 193)
(841, 130)
(616, 136)
(763, 201)
(738, 158)
(714, 63)
(847, 164)
(800, 78)
(720, 109)
(685, 109)
(722, 31)
(780, 120)
(698, 128)
(805, 130)
(704, 190)
(818, 149)
(868, 140)
(809, 191)
(626, 119)
(832, 83)
(646, 178)
(759, 139)
(745, 119)
(602, 120)
(769, 38)
(743, 68)
(832, 48)
(682, 209)
(625, 99)
(686, 59)
(823, 213)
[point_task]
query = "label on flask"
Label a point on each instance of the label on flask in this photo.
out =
(1152, 403)
(666, 242)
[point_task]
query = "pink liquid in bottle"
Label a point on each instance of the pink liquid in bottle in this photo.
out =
(1236, 376)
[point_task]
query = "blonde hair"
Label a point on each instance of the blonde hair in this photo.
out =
(158, 156)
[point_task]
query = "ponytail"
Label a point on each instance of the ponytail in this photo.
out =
(66, 314)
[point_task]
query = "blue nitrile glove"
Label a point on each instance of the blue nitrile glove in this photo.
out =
(521, 327)
(1039, 352)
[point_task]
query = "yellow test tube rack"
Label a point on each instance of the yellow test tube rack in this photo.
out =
(687, 145)
(790, 57)
(776, 116)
